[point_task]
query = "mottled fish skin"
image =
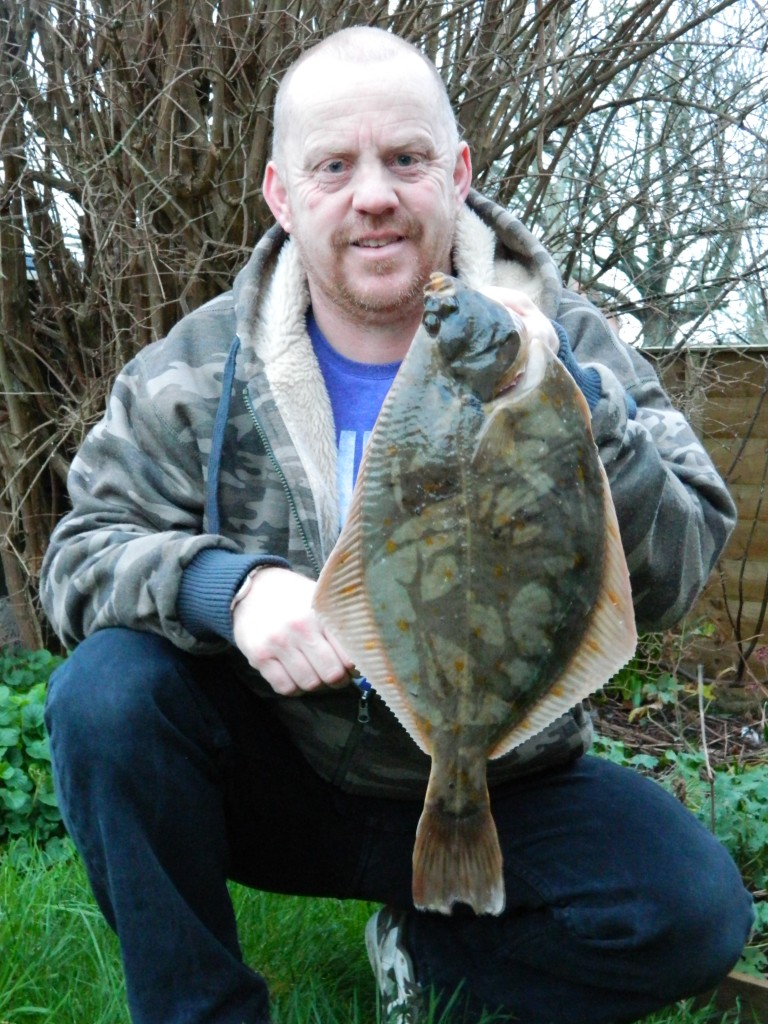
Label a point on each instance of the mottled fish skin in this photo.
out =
(480, 539)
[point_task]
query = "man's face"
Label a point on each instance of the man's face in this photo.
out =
(369, 184)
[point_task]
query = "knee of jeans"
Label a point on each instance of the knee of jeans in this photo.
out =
(688, 933)
(714, 925)
(104, 694)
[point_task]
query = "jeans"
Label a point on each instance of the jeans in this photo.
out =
(172, 777)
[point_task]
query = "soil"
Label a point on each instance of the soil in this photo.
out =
(733, 733)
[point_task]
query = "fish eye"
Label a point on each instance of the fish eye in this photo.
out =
(431, 323)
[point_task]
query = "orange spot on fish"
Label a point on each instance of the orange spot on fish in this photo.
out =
(351, 588)
(459, 664)
(391, 546)
(403, 625)
(370, 645)
(498, 570)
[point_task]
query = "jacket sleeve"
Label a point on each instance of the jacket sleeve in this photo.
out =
(136, 523)
(674, 510)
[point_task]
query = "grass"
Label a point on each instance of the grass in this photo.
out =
(59, 962)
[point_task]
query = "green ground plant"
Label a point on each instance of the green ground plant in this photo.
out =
(27, 801)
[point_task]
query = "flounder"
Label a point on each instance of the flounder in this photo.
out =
(479, 582)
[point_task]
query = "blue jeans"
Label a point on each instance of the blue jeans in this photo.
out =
(173, 777)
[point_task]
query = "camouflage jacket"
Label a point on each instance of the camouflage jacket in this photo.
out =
(215, 456)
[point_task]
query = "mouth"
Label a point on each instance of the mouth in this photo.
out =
(377, 243)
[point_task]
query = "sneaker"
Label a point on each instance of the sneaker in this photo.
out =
(393, 968)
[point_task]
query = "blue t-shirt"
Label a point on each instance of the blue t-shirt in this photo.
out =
(357, 391)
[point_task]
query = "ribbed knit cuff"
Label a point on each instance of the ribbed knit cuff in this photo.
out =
(208, 585)
(587, 378)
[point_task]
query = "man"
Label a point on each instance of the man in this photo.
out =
(204, 727)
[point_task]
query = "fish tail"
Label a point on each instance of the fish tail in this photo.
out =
(457, 859)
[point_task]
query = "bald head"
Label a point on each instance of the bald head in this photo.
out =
(360, 45)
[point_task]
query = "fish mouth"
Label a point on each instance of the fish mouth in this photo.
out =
(440, 301)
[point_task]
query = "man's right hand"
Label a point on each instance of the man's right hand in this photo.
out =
(276, 628)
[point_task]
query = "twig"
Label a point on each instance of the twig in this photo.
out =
(705, 747)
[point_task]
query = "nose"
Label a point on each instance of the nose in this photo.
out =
(374, 190)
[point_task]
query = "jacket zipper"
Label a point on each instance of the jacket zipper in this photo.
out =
(355, 733)
(365, 688)
(286, 487)
(362, 684)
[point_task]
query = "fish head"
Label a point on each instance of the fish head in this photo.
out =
(481, 342)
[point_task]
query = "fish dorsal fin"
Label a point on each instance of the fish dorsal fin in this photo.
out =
(344, 608)
(607, 645)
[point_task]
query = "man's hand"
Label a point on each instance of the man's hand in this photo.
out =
(536, 324)
(277, 630)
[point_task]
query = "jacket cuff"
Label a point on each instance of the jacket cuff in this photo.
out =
(208, 585)
(587, 377)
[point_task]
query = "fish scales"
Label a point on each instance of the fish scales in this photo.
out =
(479, 582)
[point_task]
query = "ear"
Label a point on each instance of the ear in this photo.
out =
(462, 173)
(276, 196)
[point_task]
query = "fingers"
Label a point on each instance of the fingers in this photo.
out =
(279, 633)
(536, 324)
(298, 659)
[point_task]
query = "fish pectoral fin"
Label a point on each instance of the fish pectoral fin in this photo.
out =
(494, 439)
(608, 643)
(457, 860)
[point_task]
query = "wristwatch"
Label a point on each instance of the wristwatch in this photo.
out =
(245, 586)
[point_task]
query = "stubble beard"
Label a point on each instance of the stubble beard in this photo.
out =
(372, 305)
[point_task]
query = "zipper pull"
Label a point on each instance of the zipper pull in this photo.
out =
(363, 711)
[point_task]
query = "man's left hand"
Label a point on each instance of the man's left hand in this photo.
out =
(536, 324)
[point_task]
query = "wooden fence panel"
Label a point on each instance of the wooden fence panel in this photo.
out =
(724, 392)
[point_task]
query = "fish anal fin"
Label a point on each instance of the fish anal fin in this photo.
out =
(606, 646)
(343, 607)
(457, 860)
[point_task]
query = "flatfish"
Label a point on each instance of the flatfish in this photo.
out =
(479, 582)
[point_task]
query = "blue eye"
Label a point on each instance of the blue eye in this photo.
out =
(405, 160)
(334, 166)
